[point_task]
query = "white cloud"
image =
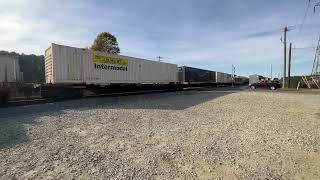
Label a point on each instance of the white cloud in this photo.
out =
(27, 28)
(251, 41)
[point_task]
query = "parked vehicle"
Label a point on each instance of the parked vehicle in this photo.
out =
(273, 85)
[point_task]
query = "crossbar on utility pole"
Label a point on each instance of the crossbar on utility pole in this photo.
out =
(159, 58)
(285, 57)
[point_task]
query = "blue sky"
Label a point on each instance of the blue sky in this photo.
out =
(208, 34)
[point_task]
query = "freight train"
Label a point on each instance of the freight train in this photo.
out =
(241, 80)
(10, 78)
(190, 76)
(71, 72)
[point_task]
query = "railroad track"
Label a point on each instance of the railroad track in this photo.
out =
(24, 102)
(34, 101)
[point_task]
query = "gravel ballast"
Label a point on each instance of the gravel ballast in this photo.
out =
(175, 135)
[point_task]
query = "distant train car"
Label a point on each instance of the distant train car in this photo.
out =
(223, 78)
(191, 75)
(9, 69)
(10, 78)
(255, 78)
(241, 80)
(69, 65)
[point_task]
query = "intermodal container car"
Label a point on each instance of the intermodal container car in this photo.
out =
(223, 78)
(192, 75)
(9, 69)
(70, 65)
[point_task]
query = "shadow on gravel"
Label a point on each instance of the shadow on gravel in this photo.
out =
(15, 121)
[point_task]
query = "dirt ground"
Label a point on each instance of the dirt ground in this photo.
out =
(210, 134)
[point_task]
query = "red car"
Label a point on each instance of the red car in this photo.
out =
(273, 85)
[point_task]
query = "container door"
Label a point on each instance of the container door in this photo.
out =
(75, 68)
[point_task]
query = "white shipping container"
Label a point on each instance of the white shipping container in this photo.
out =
(69, 65)
(9, 69)
(229, 78)
(254, 78)
(223, 77)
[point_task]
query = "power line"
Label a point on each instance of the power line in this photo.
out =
(308, 47)
(315, 6)
(316, 60)
(303, 20)
(305, 16)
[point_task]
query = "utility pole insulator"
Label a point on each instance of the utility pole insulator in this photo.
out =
(159, 58)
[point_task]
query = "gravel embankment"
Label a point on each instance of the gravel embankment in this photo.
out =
(178, 135)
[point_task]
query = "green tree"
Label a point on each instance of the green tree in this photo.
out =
(32, 67)
(106, 42)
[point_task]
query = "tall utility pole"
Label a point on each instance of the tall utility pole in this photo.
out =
(289, 67)
(271, 71)
(285, 57)
(316, 63)
(233, 73)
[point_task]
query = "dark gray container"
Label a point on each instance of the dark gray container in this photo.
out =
(195, 75)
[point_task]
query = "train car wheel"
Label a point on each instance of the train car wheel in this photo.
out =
(4, 97)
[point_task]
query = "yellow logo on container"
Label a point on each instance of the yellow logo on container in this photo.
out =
(110, 60)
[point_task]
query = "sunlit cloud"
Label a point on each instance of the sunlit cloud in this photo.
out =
(206, 34)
